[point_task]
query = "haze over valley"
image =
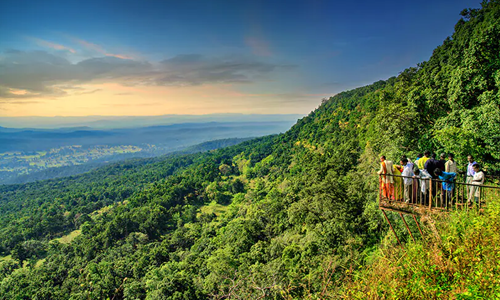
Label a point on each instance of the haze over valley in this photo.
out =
(25, 151)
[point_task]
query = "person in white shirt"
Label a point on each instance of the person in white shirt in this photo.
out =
(477, 181)
(451, 165)
(424, 180)
(407, 178)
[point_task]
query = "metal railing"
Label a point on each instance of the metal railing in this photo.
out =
(433, 193)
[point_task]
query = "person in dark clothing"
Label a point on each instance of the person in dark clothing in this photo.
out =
(431, 164)
(442, 161)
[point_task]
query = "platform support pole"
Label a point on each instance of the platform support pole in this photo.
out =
(399, 242)
(418, 225)
(408, 228)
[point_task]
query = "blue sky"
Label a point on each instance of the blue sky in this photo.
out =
(161, 57)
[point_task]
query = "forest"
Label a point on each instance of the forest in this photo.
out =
(288, 216)
(75, 160)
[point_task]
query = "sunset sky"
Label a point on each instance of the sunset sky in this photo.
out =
(77, 58)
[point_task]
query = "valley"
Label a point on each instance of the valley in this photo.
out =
(34, 154)
(22, 163)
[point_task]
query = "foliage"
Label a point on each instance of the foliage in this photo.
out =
(456, 260)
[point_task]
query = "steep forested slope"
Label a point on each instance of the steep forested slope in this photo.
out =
(282, 217)
(457, 258)
(44, 210)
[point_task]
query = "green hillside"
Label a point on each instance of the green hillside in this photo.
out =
(292, 216)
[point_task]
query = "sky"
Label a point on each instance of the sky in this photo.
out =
(141, 58)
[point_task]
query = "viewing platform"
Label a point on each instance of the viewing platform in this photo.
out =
(428, 195)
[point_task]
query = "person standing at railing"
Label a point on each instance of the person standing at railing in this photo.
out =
(415, 164)
(476, 181)
(470, 172)
(407, 178)
(431, 165)
(451, 165)
(421, 161)
(398, 183)
(425, 179)
(442, 162)
(448, 184)
(386, 178)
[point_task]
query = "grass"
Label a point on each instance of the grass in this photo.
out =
(39, 263)
(108, 208)
(213, 207)
(102, 210)
(5, 258)
(66, 239)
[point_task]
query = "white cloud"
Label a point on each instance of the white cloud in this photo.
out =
(40, 73)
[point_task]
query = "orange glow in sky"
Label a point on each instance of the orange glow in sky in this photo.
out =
(115, 99)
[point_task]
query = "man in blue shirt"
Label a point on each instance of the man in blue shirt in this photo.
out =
(448, 179)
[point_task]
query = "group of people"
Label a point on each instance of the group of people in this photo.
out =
(414, 176)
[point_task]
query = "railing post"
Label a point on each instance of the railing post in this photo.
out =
(481, 190)
(430, 194)
(379, 188)
(464, 189)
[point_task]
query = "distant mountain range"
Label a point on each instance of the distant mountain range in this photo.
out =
(175, 136)
(41, 153)
(112, 122)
